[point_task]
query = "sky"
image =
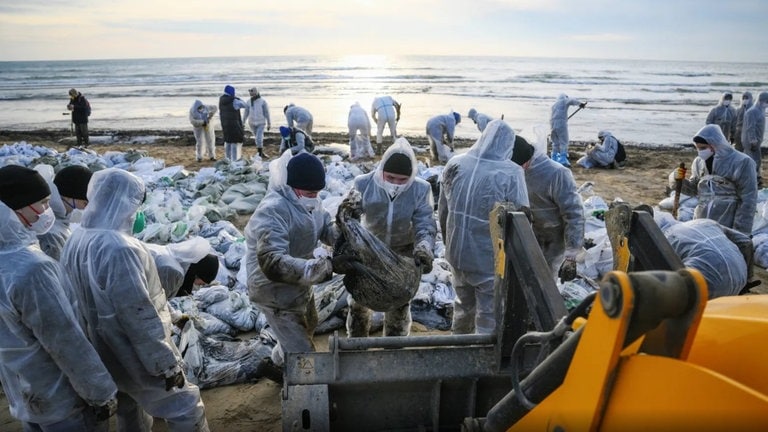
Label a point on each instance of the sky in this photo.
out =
(707, 30)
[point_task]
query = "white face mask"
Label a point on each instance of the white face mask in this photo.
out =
(75, 216)
(726, 103)
(705, 154)
(310, 204)
(392, 189)
(44, 222)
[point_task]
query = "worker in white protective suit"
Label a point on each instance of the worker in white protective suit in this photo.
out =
(724, 115)
(603, 154)
(257, 117)
(397, 208)
(724, 181)
(722, 255)
(558, 123)
(472, 184)
(385, 111)
(359, 133)
(480, 119)
(281, 260)
(296, 116)
(557, 209)
(200, 116)
(746, 103)
(68, 200)
(181, 266)
(440, 133)
(753, 132)
(51, 375)
(126, 311)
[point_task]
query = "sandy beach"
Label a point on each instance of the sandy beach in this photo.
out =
(256, 406)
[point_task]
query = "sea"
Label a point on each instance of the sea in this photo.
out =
(642, 102)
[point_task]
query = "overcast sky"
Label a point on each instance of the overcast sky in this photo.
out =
(722, 30)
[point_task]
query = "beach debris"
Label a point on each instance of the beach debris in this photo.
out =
(376, 277)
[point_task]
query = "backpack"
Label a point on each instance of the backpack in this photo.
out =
(621, 155)
(309, 145)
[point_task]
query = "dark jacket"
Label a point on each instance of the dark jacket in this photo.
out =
(231, 122)
(82, 109)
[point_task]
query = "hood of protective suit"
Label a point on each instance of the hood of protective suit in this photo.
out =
(56, 204)
(603, 134)
(402, 146)
(747, 100)
(726, 95)
(714, 137)
(496, 142)
(13, 233)
(114, 196)
(196, 106)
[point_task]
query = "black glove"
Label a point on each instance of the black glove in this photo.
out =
(567, 270)
(175, 380)
(352, 208)
(343, 263)
(582, 105)
(423, 258)
(104, 412)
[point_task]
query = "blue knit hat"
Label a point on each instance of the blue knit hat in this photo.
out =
(457, 117)
(285, 131)
(306, 172)
(228, 89)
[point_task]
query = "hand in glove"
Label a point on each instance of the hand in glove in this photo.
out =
(423, 258)
(317, 270)
(104, 412)
(567, 270)
(343, 263)
(582, 105)
(175, 378)
(354, 208)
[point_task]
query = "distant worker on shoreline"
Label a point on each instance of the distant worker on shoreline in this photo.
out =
(440, 132)
(296, 116)
(724, 115)
(359, 143)
(257, 117)
(81, 110)
(480, 119)
(232, 123)
(200, 116)
(385, 111)
(558, 123)
(606, 154)
(753, 133)
(746, 103)
(295, 139)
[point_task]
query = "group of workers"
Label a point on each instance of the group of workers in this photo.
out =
(86, 328)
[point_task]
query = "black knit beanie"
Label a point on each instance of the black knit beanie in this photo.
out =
(72, 181)
(206, 269)
(306, 172)
(21, 186)
(522, 152)
(398, 163)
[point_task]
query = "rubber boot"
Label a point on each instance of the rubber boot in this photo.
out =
(261, 153)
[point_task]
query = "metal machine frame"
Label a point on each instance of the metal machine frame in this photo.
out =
(427, 382)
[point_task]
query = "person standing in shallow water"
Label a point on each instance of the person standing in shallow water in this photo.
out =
(81, 110)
